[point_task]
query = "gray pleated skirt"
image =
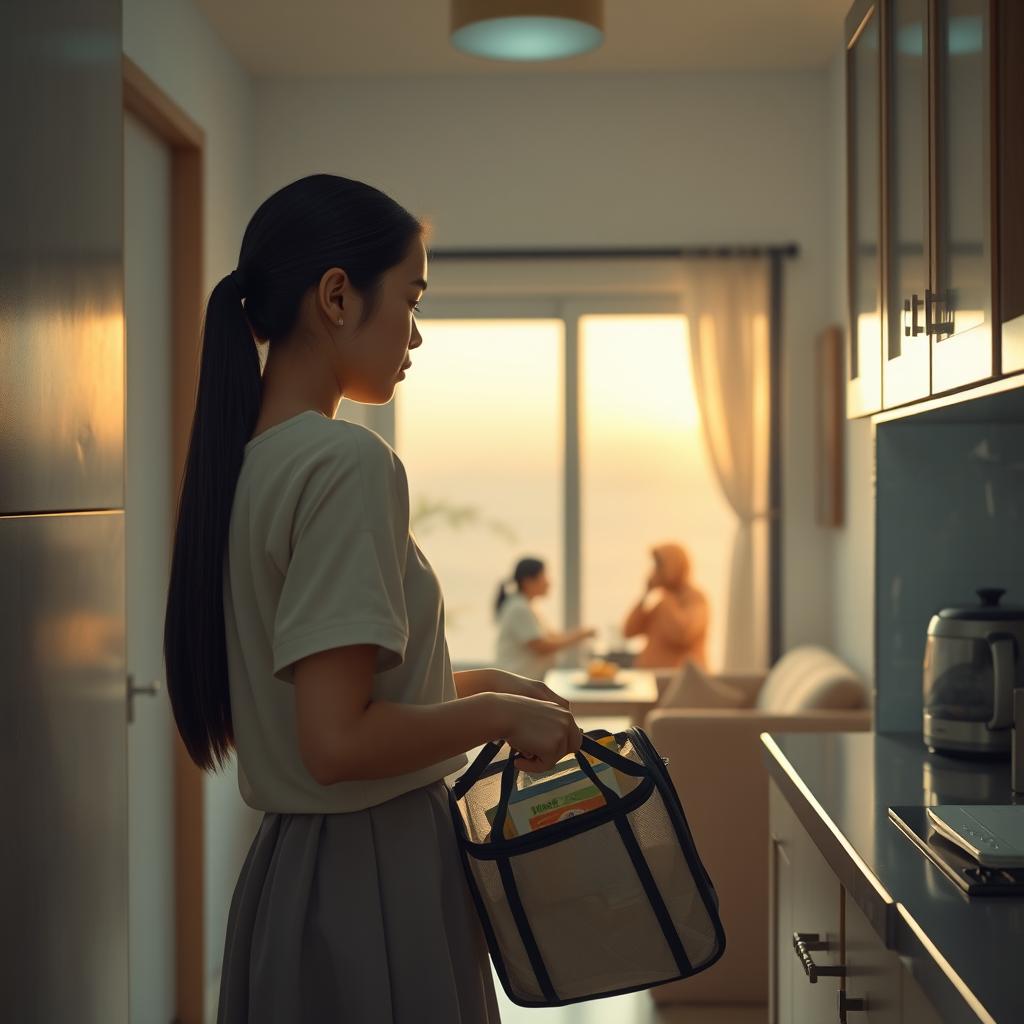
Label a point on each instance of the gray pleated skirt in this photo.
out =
(360, 918)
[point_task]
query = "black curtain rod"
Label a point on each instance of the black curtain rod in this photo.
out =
(682, 252)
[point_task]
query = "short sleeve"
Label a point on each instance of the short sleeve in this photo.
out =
(344, 582)
(520, 625)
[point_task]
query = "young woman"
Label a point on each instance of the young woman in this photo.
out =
(672, 614)
(526, 645)
(305, 632)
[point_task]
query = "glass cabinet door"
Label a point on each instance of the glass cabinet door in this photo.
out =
(960, 309)
(906, 367)
(1008, 40)
(864, 378)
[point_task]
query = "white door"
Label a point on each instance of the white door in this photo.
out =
(147, 251)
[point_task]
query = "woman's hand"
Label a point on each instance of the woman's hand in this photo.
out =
(496, 680)
(521, 686)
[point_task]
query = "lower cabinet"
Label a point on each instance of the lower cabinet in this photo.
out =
(873, 973)
(916, 1007)
(806, 910)
(828, 964)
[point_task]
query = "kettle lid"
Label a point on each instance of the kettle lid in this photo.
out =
(990, 610)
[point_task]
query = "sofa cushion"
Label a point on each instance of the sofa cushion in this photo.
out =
(809, 678)
(692, 688)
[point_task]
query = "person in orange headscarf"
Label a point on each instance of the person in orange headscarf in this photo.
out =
(672, 614)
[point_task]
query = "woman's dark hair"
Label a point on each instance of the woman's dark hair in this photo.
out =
(296, 235)
(526, 569)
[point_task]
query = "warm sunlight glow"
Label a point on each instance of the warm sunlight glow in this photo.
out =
(646, 474)
(479, 427)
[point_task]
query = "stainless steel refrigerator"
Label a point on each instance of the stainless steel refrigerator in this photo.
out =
(63, 851)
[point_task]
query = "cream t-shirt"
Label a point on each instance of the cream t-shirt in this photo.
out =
(320, 556)
(518, 624)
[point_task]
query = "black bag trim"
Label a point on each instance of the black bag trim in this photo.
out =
(657, 777)
(677, 816)
(508, 879)
(482, 764)
(661, 912)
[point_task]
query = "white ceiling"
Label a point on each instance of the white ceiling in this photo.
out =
(410, 37)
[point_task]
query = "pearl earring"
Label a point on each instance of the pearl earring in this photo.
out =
(341, 322)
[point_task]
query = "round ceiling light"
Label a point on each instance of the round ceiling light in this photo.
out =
(527, 29)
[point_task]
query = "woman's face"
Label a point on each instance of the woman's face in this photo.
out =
(536, 586)
(375, 342)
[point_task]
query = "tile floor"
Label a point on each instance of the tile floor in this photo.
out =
(637, 1008)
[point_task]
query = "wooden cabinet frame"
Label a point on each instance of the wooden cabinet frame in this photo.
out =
(863, 382)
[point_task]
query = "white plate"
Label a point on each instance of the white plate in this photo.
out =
(600, 684)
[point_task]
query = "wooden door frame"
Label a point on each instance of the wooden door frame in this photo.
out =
(146, 101)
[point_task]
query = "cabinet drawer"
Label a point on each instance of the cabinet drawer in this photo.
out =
(915, 1004)
(806, 899)
(873, 973)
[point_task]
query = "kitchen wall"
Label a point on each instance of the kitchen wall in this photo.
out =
(176, 47)
(585, 160)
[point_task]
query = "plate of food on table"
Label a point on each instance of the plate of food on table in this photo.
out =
(601, 675)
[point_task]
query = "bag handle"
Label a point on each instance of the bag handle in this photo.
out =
(490, 751)
(612, 757)
(472, 774)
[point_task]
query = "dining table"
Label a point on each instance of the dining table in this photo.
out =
(608, 704)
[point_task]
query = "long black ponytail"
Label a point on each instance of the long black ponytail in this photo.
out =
(295, 236)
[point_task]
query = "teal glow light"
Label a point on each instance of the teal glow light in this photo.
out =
(527, 38)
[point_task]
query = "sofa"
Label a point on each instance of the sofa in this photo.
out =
(709, 728)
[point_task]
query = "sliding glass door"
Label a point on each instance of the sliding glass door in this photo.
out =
(479, 428)
(568, 430)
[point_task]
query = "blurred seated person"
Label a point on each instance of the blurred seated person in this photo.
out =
(526, 644)
(672, 614)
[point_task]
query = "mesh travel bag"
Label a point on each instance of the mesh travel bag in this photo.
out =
(604, 900)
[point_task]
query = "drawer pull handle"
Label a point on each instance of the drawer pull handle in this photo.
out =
(846, 1005)
(804, 943)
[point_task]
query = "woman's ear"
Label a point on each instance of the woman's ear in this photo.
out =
(332, 292)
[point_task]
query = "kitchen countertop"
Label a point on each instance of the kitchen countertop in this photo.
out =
(964, 951)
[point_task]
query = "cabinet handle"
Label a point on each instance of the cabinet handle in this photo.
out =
(804, 943)
(938, 325)
(846, 1005)
(913, 329)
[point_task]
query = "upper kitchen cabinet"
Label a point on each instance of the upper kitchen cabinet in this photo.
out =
(864, 209)
(958, 310)
(1010, 45)
(950, 267)
(906, 362)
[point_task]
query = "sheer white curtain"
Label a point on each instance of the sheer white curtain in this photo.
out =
(727, 306)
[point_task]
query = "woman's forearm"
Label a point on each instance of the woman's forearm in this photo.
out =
(471, 681)
(394, 739)
(552, 643)
(573, 637)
